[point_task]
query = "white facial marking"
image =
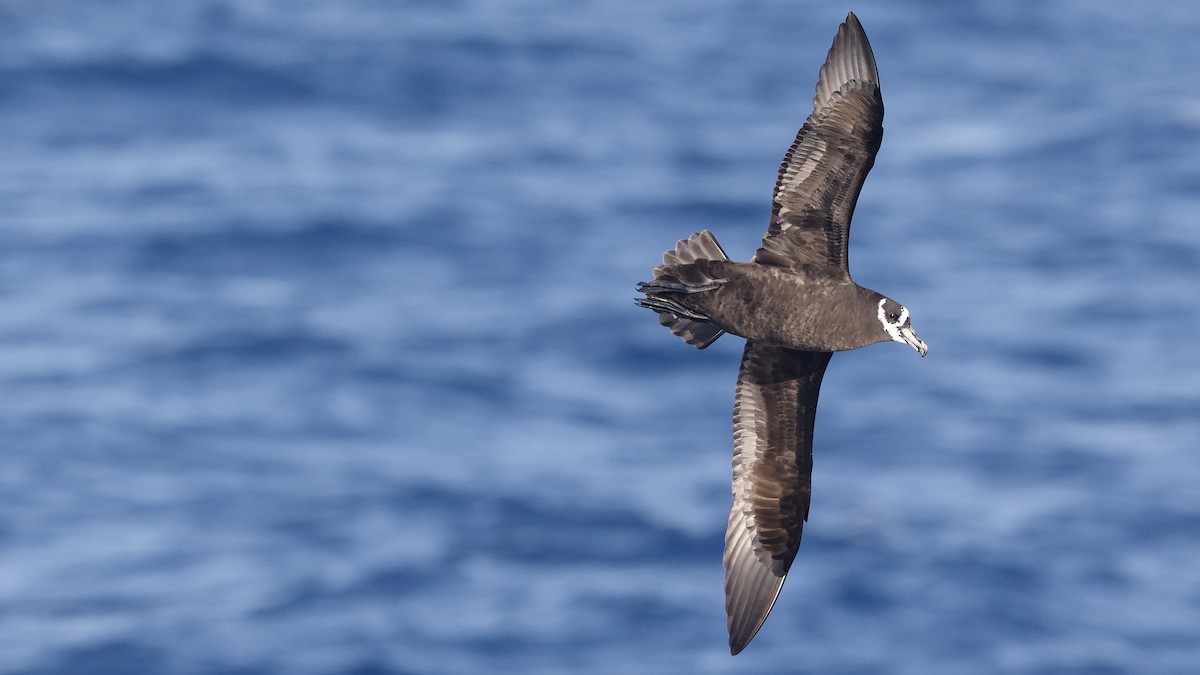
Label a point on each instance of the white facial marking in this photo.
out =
(893, 329)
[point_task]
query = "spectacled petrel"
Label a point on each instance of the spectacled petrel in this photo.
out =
(796, 304)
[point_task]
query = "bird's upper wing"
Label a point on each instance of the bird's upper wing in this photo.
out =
(824, 170)
(773, 413)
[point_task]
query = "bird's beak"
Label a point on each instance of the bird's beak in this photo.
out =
(910, 338)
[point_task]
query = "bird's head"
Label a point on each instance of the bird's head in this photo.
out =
(894, 318)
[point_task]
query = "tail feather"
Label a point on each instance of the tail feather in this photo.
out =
(700, 246)
(668, 284)
(698, 334)
(680, 274)
(664, 306)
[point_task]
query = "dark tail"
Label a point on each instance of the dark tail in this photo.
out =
(679, 275)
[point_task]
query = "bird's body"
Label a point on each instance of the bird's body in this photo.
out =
(757, 302)
(796, 304)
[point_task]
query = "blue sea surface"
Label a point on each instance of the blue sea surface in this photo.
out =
(318, 352)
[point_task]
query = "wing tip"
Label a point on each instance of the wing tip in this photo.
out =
(752, 585)
(850, 58)
(852, 25)
(743, 633)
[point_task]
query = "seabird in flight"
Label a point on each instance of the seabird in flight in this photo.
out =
(796, 304)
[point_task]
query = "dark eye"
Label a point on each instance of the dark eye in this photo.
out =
(893, 317)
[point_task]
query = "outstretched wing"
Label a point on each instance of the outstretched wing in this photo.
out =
(824, 170)
(773, 413)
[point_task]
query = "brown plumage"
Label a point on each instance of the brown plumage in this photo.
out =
(796, 304)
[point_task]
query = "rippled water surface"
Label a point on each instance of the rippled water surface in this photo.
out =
(318, 351)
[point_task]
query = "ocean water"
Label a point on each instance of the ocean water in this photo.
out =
(318, 351)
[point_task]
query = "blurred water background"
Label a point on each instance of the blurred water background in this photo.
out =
(318, 351)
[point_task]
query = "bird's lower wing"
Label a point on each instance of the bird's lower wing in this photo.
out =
(773, 413)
